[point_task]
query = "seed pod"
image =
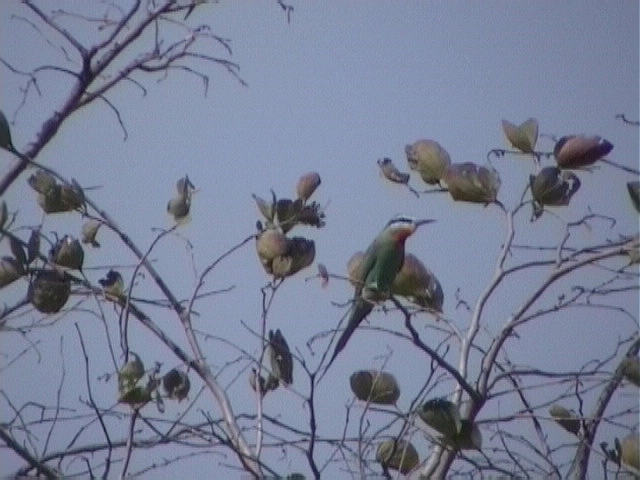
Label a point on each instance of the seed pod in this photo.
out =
(49, 290)
(10, 270)
(566, 418)
(323, 273)
(68, 252)
(630, 367)
(398, 455)
(135, 396)
(634, 193)
(257, 382)
(375, 387)
(271, 243)
(575, 151)
(630, 450)
(176, 384)
(472, 183)
(524, 136)
(443, 416)
(391, 172)
(307, 184)
(280, 357)
(429, 159)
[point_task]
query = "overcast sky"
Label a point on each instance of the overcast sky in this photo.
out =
(341, 85)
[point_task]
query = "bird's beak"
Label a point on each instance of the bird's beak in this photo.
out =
(423, 222)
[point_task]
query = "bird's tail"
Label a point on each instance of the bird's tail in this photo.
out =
(361, 309)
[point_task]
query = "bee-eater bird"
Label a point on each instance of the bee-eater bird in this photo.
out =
(382, 260)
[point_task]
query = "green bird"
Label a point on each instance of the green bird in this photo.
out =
(377, 271)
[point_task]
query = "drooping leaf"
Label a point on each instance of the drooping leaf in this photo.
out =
(524, 136)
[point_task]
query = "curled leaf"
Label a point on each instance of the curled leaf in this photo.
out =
(469, 182)
(429, 159)
(524, 136)
(130, 373)
(469, 437)
(375, 387)
(391, 172)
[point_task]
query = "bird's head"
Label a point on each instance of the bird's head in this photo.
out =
(403, 226)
